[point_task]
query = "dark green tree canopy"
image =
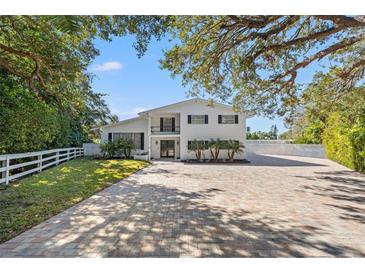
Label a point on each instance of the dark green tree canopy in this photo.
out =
(51, 53)
(46, 99)
(255, 60)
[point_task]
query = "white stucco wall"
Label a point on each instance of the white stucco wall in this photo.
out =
(212, 130)
(134, 126)
(188, 132)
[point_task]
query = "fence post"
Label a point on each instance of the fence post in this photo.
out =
(3, 164)
(40, 161)
(7, 165)
(58, 157)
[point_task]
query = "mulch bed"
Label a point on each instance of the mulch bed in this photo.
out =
(220, 161)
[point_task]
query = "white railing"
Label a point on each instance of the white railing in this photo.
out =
(51, 157)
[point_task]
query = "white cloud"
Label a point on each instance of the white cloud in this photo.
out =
(107, 66)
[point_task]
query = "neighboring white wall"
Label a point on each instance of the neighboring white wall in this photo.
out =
(283, 148)
(134, 126)
(91, 149)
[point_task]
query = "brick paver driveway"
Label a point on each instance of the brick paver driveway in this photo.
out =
(274, 207)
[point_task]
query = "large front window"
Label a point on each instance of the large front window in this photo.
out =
(135, 138)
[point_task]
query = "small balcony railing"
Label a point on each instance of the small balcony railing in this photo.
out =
(165, 130)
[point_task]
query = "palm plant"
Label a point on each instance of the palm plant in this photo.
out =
(197, 147)
(234, 147)
(217, 146)
(210, 146)
(214, 147)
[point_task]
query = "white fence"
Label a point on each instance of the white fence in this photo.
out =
(43, 160)
(282, 147)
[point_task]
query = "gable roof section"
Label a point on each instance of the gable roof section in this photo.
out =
(185, 102)
(119, 123)
(141, 114)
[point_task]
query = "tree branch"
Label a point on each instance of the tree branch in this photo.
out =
(297, 41)
(348, 71)
(321, 54)
(343, 21)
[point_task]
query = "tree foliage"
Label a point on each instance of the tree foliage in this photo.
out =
(51, 53)
(46, 95)
(262, 135)
(334, 118)
(255, 60)
(336, 141)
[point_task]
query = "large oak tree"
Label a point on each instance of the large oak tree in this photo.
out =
(255, 60)
(46, 99)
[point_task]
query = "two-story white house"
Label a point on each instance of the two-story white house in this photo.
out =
(165, 132)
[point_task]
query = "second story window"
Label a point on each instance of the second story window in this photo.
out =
(167, 124)
(197, 119)
(227, 119)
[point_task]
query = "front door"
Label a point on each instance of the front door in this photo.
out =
(167, 148)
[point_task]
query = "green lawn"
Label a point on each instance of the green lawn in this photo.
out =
(32, 200)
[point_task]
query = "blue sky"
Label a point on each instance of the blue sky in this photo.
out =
(135, 84)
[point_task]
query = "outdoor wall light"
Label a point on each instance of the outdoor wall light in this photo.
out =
(156, 143)
(177, 142)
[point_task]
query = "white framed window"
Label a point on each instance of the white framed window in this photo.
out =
(197, 119)
(228, 119)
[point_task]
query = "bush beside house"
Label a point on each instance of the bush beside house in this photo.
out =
(120, 148)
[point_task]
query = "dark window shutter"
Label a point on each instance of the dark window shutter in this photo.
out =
(189, 144)
(173, 124)
(110, 136)
(189, 119)
(142, 141)
(206, 119)
(161, 124)
(236, 119)
(219, 119)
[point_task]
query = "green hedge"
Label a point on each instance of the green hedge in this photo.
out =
(344, 141)
(30, 124)
(357, 139)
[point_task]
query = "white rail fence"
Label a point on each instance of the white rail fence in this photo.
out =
(34, 162)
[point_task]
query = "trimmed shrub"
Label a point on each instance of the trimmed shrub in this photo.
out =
(357, 139)
(345, 142)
